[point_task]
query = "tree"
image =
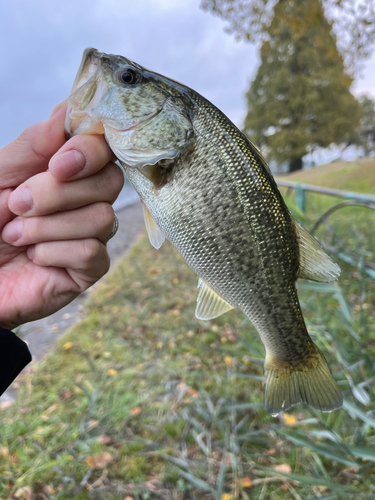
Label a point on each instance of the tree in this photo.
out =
(366, 135)
(300, 97)
(353, 23)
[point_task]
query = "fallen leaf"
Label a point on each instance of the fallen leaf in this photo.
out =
(67, 346)
(135, 411)
(150, 485)
(226, 496)
(159, 345)
(289, 419)
(100, 460)
(4, 451)
(284, 468)
(91, 424)
(229, 361)
(105, 439)
(66, 394)
(246, 482)
(24, 492)
(112, 372)
(284, 488)
(192, 392)
(154, 270)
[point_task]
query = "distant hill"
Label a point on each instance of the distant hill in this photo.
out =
(357, 175)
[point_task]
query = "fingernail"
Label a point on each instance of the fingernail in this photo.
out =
(67, 164)
(12, 231)
(21, 200)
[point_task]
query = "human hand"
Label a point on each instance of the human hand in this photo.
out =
(53, 223)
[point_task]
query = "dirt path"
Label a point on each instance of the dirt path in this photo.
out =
(42, 334)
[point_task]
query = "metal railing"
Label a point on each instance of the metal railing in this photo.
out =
(364, 200)
(302, 188)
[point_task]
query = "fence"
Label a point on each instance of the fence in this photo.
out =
(302, 188)
(366, 200)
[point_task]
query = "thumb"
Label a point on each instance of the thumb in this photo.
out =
(30, 153)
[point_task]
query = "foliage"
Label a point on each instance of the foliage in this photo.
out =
(142, 401)
(353, 22)
(366, 135)
(300, 97)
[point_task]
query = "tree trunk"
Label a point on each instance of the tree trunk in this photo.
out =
(295, 164)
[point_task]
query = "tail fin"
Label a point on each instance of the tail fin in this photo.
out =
(309, 381)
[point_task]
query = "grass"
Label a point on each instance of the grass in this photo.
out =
(357, 175)
(142, 401)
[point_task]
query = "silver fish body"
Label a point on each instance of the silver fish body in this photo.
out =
(207, 189)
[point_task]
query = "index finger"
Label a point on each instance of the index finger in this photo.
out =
(30, 153)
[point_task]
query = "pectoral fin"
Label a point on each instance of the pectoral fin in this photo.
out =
(154, 173)
(209, 304)
(314, 263)
(155, 234)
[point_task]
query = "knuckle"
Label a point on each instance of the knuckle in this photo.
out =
(33, 229)
(30, 136)
(115, 180)
(92, 248)
(94, 148)
(105, 264)
(103, 216)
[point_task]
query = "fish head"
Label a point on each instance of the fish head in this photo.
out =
(145, 117)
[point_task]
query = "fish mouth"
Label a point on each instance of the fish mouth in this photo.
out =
(94, 78)
(90, 86)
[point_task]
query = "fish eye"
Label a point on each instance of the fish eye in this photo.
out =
(128, 76)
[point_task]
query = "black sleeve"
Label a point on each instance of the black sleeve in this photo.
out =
(14, 356)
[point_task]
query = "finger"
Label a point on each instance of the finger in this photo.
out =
(81, 156)
(92, 221)
(85, 260)
(30, 153)
(43, 194)
(59, 106)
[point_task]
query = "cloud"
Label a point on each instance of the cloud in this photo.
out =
(46, 40)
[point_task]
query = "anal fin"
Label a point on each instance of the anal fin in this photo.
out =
(314, 263)
(209, 304)
(155, 234)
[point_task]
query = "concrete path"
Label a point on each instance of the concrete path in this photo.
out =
(42, 334)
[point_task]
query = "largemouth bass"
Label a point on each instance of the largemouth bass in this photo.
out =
(207, 189)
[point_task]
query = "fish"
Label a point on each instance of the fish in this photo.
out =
(206, 188)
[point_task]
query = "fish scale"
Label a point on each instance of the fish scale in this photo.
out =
(207, 189)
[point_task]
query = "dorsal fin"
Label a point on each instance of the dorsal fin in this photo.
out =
(155, 234)
(314, 263)
(209, 304)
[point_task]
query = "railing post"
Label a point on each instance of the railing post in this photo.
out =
(300, 197)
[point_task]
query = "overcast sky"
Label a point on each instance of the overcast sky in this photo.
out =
(42, 42)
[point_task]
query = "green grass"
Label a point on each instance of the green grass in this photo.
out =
(357, 175)
(142, 400)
